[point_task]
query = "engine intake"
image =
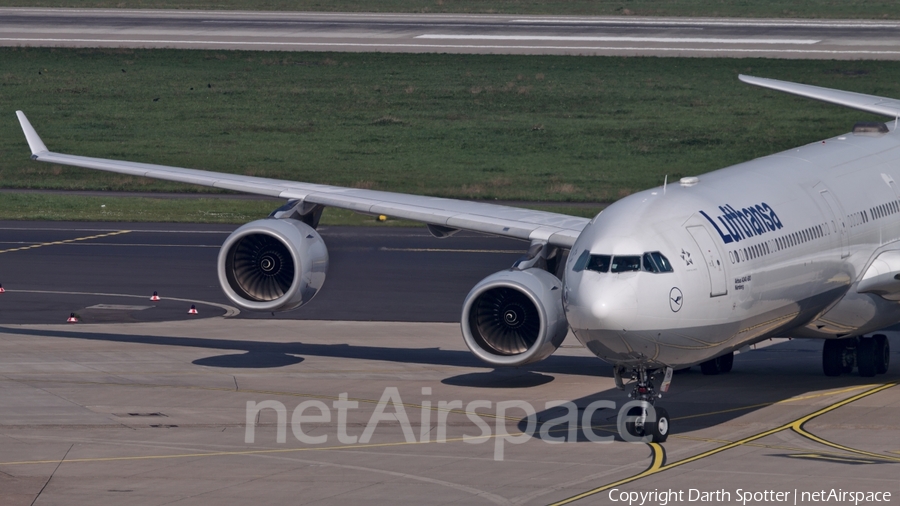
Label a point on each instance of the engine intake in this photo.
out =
(272, 265)
(514, 317)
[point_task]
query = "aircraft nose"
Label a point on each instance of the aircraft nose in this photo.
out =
(601, 301)
(602, 313)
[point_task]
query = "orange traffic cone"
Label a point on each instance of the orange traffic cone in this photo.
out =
(155, 296)
(72, 318)
(193, 310)
(1, 289)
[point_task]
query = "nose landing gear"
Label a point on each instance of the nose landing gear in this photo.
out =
(642, 420)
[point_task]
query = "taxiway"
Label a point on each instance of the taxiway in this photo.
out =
(153, 410)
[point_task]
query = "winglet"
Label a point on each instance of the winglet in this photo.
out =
(34, 141)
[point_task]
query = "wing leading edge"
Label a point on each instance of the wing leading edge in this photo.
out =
(869, 103)
(553, 228)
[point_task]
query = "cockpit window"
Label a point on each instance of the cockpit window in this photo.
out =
(626, 264)
(649, 264)
(582, 261)
(656, 262)
(599, 263)
(653, 261)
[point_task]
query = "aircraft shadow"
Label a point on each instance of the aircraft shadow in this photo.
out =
(760, 378)
(263, 355)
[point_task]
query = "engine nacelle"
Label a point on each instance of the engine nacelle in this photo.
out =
(515, 317)
(272, 265)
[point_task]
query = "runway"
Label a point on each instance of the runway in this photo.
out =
(150, 406)
(451, 33)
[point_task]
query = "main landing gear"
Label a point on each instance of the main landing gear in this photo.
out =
(870, 355)
(718, 365)
(642, 419)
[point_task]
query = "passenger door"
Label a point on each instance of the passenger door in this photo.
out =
(713, 260)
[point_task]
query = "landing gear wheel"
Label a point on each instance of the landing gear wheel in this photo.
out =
(635, 425)
(882, 353)
(833, 357)
(865, 357)
(725, 362)
(710, 367)
(659, 429)
(849, 354)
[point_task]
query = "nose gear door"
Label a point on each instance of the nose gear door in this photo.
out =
(713, 260)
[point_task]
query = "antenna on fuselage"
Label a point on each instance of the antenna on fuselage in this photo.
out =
(666, 181)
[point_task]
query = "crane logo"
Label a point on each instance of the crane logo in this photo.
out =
(675, 299)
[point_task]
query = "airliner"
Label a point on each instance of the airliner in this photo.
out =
(800, 244)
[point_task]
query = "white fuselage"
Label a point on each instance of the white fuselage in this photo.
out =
(771, 247)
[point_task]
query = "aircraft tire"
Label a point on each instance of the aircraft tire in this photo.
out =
(710, 367)
(631, 427)
(725, 362)
(865, 357)
(833, 357)
(659, 430)
(849, 356)
(882, 353)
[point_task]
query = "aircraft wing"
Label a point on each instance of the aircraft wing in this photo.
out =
(869, 103)
(556, 229)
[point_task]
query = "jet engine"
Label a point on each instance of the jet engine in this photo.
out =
(272, 265)
(514, 317)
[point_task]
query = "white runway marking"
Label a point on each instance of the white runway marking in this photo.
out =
(715, 22)
(833, 52)
(673, 40)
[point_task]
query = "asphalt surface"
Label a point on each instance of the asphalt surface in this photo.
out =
(149, 405)
(50, 270)
(451, 33)
(157, 413)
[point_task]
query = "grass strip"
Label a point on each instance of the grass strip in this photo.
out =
(17, 206)
(852, 9)
(509, 127)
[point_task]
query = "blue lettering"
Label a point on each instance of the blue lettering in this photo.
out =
(750, 221)
(772, 215)
(742, 221)
(765, 217)
(754, 221)
(725, 238)
(728, 224)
